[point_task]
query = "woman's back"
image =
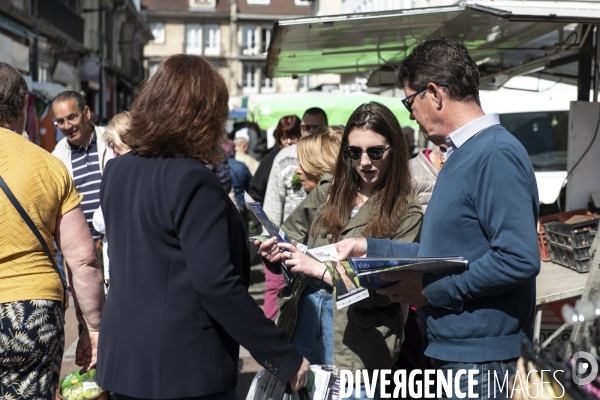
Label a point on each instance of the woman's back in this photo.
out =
(170, 225)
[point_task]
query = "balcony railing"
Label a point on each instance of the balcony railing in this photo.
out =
(62, 17)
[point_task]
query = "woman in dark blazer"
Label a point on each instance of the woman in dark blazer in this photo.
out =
(178, 304)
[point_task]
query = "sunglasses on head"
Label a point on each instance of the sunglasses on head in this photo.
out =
(374, 153)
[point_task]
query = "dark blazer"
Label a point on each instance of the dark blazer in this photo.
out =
(177, 306)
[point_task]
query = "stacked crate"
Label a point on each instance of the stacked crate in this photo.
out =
(541, 229)
(569, 243)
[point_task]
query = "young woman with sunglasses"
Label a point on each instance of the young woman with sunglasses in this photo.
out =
(370, 195)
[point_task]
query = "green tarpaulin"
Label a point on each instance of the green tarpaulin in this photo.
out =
(338, 107)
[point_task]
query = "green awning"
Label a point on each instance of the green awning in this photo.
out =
(338, 107)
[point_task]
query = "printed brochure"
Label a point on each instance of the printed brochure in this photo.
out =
(323, 383)
(352, 279)
(368, 270)
(273, 230)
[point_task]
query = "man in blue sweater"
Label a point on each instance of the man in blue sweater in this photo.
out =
(484, 208)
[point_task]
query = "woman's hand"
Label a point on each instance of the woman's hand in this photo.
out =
(269, 250)
(300, 262)
(299, 380)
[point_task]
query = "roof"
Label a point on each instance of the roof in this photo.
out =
(506, 38)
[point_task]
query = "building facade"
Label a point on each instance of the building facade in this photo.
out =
(58, 41)
(233, 35)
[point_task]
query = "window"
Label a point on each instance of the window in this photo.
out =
(158, 31)
(544, 134)
(212, 40)
(265, 39)
(152, 67)
(251, 2)
(193, 39)
(302, 2)
(249, 76)
(202, 3)
(249, 47)
(303, 83)
(266, 83)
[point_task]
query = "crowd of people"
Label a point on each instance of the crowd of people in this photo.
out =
(154, 231)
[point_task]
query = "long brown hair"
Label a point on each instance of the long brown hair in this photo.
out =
(390, 196)
(180, 112)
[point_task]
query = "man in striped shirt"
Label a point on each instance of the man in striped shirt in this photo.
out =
(83, 150)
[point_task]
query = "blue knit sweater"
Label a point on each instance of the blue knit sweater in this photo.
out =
(484, 208)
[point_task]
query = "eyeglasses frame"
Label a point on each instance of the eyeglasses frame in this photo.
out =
(346, 148)
(56, 123)
(406, 100)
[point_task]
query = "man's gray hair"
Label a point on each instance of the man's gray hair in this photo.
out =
(13, 90)
(71, 95)
(240, 141)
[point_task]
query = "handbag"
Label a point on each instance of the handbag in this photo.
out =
(37, 234)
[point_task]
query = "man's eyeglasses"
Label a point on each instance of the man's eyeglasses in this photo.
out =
(307, 128)
(70, 119)
(374, 153)
(408, 104)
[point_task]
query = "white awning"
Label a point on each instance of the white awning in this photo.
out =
(505, 38)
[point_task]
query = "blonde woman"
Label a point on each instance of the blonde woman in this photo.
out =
(317, 155)
(112, 135)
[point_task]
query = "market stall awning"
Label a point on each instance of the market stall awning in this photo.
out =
(267, 112)
(505, 38)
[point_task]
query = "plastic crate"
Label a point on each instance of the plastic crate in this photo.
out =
(543, 246)
(542, 237)
(573, 235)
(570, 257)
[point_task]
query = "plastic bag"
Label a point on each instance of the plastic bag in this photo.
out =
(75, 386)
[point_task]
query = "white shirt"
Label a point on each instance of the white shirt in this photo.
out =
(466, 132)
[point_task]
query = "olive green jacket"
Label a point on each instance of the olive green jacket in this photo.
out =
(367, 334)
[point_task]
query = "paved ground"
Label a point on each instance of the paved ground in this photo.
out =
(248, 366)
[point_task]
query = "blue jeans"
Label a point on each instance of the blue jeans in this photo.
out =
(313, 335)
(499, 377)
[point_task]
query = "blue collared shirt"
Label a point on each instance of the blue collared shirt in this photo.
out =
(466, 132)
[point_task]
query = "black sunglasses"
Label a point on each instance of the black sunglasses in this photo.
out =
(307, 128)
(408, 104)
(374, 153)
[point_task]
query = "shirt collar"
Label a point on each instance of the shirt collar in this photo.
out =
(466, 132)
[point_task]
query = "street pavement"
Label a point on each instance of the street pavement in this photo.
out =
(248, 366)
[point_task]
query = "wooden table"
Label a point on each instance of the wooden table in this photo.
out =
(555, 283)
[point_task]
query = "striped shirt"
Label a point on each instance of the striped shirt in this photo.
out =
(87, 178)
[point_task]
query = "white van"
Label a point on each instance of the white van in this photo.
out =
(536, 111)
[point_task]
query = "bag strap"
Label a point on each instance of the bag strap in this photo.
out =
(31, 225)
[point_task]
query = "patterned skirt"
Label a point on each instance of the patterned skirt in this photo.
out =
(31, 348)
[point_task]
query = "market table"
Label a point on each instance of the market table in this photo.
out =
(555, 283)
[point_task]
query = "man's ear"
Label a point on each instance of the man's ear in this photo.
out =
(87, 112)
(436, 93)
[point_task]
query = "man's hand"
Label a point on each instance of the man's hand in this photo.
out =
(87, 350)
(269, 250)
(408, 290)
(299, 380)
(351, 248)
